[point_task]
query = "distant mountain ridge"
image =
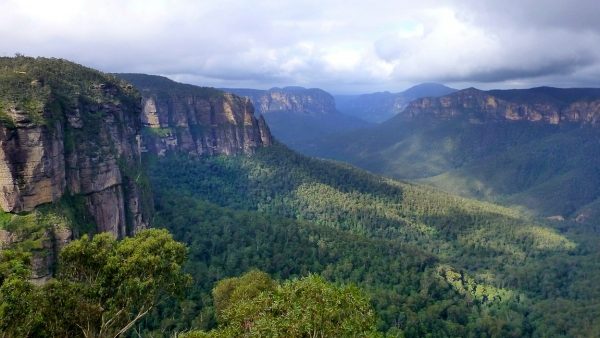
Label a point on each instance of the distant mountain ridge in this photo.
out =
(311, 101)
(380, 106)
(541, 104)
(299, 116)
(538, 147)
(196, 120)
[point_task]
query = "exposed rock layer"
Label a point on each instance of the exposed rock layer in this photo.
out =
(80, 136)
(195, 120)
(378, 107)
(545, 105)
(312, 101)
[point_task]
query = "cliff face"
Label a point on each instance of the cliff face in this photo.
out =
(378, 107)
(299, 117)
(312, 101)
(545, 105)
(195, 120)
(69, 130)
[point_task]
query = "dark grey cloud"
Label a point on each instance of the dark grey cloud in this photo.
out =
(552, 68)
(569, 14)
(524, 64)
(342, 46)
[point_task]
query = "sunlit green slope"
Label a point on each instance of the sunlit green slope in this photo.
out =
(433, 263)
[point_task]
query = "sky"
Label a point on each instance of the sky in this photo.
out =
(345, 47)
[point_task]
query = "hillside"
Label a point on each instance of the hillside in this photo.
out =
(69, 156)
(299, 116)
(535, 148)
(381, 106)
(432, 263)
(196, 120)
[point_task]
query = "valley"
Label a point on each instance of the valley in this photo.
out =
(223, 197)
(381, 106)
(298, 116)
(431, 262)
(299, 169)
(535, 149)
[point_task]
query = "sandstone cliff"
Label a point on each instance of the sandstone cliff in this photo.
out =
(544, 105)
(195, 120)
(66, 130)
(299, 117)
(312, 101)
(380, 106)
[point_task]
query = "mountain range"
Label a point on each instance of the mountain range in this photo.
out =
(196, 120)
(86, 152)
(535, 148)
(297, 116)
(380, 106)
(300, 117)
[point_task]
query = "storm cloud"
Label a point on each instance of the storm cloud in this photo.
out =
(342, 46)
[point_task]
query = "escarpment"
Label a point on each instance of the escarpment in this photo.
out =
(65, 131)
(543, 104)
(300, 100)
(196, 121)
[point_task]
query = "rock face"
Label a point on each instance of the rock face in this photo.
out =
(299, 117)
(544, 105)
(312, 101)
(69, 130)
(378, 107)
(195, 120)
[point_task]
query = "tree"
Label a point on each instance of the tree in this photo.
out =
(118, 282)
(306, 307)
(103, 287)
(232, 291)
(18, 314)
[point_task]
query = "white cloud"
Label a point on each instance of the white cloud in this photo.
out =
(339, 45)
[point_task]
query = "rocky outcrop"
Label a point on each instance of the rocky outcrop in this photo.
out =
(51, 239)
(380, 106)
(312, 101)
(544, 105)
(32, 164)
(71, 131)
(43, 261)
(299, 117)
(197, 121)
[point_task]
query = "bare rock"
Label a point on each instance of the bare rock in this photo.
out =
(539, 105)
(197, 121)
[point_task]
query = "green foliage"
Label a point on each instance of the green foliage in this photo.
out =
(157, 132)
(280, 182)
(153, 84)
(306, 307)
(224, 242)
(233, 290)
(102, 289)
(289, 216)
(17, 295)
(121, 281)
(549, 169)
(31, 230)
(14, 264)
(44, 88)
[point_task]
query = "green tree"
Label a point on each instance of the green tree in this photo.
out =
(116, 283)
(18, 314)
(306, 307)
(103, 288)
(234, 290)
